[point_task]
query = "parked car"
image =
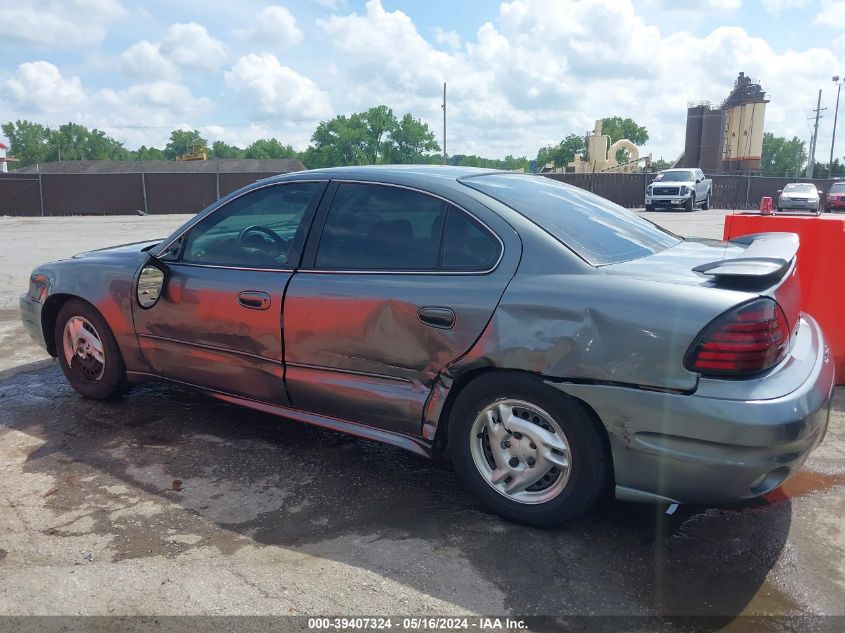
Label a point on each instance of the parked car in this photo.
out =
(685, 188)
(835, 200)
(557, 344)
(799, 196)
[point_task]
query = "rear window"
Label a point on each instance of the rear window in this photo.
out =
(598, 230)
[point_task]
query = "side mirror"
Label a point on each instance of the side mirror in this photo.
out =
(780, 191)
(697, 180)
(150, 284)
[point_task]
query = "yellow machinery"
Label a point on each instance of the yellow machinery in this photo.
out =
(197, 153)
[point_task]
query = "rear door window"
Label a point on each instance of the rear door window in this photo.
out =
(376, 227)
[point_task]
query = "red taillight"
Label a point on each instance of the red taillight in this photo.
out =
(746, 340)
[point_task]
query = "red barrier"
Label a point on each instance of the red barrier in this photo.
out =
(821, 259)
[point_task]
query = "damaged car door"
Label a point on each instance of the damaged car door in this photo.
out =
(217, 323)
(396, 283)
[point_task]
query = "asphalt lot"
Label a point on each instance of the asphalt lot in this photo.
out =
(168, 502)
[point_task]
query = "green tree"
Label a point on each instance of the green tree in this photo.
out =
(412, 142)
(563, 153)
(618, 128)
(343, 140)
(660, 164)
(181, 142)
(147, 153)
(219, 149)
(380, 123)
(269, 148)
(28, 142)
(781, 157)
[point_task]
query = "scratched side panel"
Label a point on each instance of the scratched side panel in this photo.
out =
(598, 327)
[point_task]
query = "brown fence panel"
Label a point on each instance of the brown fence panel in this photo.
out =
(19, 195)
(180, 193)
(627, 190)
(92, 194)
(233, 182)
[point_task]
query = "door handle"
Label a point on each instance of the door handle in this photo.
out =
(254, 299)
(437, 317)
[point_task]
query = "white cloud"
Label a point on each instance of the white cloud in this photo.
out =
(449, 38)
(40, 87)
(58, 23)
(268, 88)
(776, 7)
(832, 13)
(144, 60)
(191, 45)
(274, 25)
(334, 5)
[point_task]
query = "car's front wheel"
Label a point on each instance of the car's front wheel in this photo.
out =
(88, 352)
(705, 206)
(527, 451)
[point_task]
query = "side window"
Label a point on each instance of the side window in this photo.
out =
(255, 230)
(468, 245)
(373, 227)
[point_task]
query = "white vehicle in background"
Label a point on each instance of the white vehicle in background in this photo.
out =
(799, 196)
(678, 188)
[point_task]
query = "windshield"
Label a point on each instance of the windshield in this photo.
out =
(675, 176)
(838, 187)
(598, 230)
(800, 188)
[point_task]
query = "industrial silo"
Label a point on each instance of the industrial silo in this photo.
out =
(744, 111)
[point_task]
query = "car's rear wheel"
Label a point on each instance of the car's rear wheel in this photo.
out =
(88, 353)
(527, 451)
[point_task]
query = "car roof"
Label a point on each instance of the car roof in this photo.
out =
(442, 174)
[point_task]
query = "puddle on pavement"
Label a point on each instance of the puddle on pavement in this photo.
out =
(805, 483)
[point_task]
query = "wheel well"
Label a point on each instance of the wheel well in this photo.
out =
(49, 314)
(439, 445)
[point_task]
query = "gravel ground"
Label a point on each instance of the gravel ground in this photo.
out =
(166, 502)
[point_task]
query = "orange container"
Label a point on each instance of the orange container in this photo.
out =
(821, 264)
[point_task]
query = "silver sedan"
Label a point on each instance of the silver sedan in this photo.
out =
(557, 346)
(799, 196)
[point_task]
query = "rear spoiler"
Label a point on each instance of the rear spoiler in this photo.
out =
(767, 254)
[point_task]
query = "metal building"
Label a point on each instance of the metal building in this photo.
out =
(727, 139)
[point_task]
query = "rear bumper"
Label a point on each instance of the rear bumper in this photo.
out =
(716, 445)
(31, 318)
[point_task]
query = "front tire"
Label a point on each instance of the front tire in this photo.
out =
(689, 205)
(705, 206)
(527, 451)
(649, 207)
(88, 352)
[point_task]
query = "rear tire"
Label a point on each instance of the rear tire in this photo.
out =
(88, 352)
(507, 429)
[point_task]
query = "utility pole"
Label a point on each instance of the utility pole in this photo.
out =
(812, 158)
(444, 122)
(835, 116)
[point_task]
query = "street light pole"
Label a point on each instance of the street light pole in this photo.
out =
(835, 116)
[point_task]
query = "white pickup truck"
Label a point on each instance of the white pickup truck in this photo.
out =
(686, 188)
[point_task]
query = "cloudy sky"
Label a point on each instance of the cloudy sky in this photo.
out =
(520, 74)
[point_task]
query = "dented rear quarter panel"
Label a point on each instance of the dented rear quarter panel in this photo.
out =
(598, 328)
